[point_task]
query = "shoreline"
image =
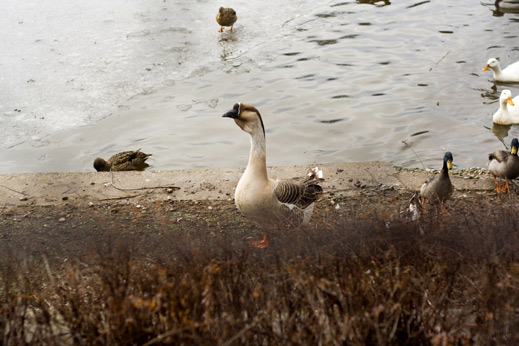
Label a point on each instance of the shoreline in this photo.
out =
(340, 180)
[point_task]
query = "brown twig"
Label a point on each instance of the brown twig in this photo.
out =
(21, 193)
(414, 152)
(139, 188)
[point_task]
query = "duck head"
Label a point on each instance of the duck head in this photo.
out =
(514, 146)
(506, 97)
(101, 165)
(247, 117)
(491, 63)
(447, 160)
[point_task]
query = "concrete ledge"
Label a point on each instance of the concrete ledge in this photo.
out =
(341, 179)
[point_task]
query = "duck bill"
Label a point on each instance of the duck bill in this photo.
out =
(510, 102)
(485, 68)
(514, 151)
(449, 164)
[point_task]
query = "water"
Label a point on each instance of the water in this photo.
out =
(335, 81)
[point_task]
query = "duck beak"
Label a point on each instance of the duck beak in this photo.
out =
(485, 68)
(514, 150)
(449, 164)
(509, 100)
(231, 114)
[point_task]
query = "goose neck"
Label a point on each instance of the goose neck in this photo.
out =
(257, 159)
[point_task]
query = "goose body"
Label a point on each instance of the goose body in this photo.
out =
(226, 17)
(508, 74)
(440, 188)
(505, 165)
(123, 161)
(263, 199)
(508, 112)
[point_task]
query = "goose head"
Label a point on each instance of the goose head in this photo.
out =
(493, 64)
(514, 146)
(447, 160)
(506, 97)
(247, 117)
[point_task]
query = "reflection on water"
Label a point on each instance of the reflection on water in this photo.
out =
(501, 131)
(335, 81)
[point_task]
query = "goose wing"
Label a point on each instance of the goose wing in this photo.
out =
(301, 194)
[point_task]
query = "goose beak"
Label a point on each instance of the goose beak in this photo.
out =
(449, 164)
(231, 114)
(514, 150)
(485, 68)
(509, 100)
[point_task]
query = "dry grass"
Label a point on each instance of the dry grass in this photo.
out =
(360, 281)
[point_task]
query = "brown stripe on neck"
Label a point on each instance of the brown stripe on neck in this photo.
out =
(245, 106)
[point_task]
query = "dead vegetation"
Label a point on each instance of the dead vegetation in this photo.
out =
(354, 279)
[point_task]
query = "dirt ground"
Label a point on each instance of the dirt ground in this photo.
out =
(68, 225)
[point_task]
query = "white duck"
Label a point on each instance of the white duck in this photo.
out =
(508, 112)
(507, 5)
(508, 74)
(263, 199)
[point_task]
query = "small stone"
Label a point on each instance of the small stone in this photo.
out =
(90, 204)
(23, 199)
(210, 208)
(61, 219)
(170, 190)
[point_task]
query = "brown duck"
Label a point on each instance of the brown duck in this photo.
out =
(226, 17)
(440, 188)
(505, 165)
(124, 161)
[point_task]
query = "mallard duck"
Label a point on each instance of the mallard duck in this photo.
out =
(439, 188)
(505, 165)
(508, 112)
(265, 200)
(508, 74)
(124, 161)
(226, 17)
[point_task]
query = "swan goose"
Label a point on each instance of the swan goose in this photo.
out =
(265, 200)
(123, 161)
(226, 17)
(508, 74)
(508, 112)
(505, 165)
(439, 188)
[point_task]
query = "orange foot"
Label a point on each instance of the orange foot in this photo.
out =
(230, 30)
(422, 202)
(265, 242)
(221, 29)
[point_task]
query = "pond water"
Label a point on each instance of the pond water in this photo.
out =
(335, 81)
